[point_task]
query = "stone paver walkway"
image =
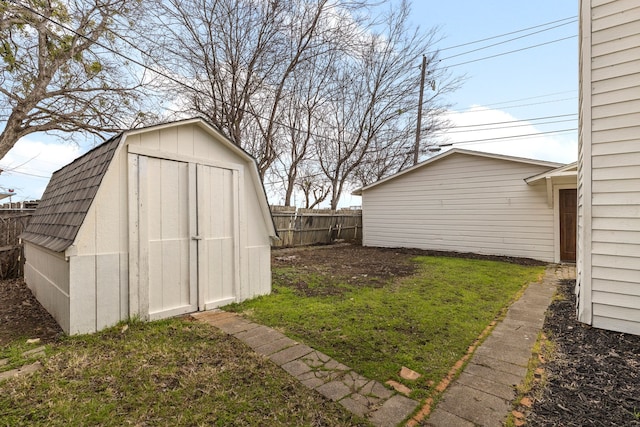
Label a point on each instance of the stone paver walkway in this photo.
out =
(483, 394)
(362, 396)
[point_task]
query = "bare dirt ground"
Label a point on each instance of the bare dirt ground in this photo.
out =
(22, 316)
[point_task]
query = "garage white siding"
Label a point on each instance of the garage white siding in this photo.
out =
(609, 236)
(463, 202)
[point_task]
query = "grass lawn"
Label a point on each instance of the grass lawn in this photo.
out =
(166, 373)
(425, 321)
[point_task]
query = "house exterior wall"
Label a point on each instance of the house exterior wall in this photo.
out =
(609, 166)
(463, 203)
(47, 275)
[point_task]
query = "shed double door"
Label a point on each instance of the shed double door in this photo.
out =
(189, 254)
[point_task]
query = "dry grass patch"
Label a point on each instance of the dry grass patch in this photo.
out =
(173, 372)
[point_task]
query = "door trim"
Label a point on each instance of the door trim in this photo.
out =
(556, 218)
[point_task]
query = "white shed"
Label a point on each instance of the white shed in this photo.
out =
(468, 201)
(153, 223)
(608, 266)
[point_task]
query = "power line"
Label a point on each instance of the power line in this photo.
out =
(531, 97)
(516, 106)
(181, 83)
(528, 135)
(507, 41)
(520, 120)
(25, 173)
(506, 34)
(512, 51)
(455, 128)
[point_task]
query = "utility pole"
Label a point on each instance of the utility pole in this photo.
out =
(416, 148)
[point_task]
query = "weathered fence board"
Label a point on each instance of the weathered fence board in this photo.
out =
(11, 252)
(304, 227)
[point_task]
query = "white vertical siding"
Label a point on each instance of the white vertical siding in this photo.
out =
(463, 203)
(609, 266)
(47, 275)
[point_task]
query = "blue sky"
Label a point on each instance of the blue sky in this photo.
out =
(540, 81)
(529, 84)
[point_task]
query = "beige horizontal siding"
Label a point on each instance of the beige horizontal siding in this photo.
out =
(614, 84)
(615, 312)
(612, 16)
(629, 158)
(622, 275)
(616, 261)
(621, 325)
(604, 8)
(608, 223)
(462, 203)
(616, 249)
(615, 233)
(622, 172)
(617, 185)
(615, 141)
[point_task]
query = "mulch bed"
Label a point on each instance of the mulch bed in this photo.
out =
(593, 379)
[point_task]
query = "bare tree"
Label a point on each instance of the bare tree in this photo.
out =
(315, 190)
(241, 59)
(60, 72)
(376, 85)
(323, 93)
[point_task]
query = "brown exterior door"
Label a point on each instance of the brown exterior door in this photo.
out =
(568, 224)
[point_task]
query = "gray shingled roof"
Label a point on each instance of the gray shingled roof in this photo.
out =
(67, 199)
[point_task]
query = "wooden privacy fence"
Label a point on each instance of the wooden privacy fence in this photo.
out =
(11, 253)
(304, 227)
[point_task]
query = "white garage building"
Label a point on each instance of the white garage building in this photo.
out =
(468, 201)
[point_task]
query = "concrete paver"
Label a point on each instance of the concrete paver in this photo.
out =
(23, 370)
(443, 418)
(474, 405)
(393, 411)
(334, 390)
(504, 391)
(289, 354)
(275, 346)
(503, 378)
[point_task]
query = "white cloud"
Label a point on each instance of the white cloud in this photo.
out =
(560, 147)
(28, 166)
